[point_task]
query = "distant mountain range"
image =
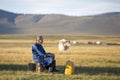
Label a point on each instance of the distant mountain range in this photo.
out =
(102, 24)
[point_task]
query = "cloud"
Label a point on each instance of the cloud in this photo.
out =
(75, 7)
(26, 0)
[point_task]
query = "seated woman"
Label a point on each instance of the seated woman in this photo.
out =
(47, 60)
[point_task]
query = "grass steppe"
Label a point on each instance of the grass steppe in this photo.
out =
(92, 62)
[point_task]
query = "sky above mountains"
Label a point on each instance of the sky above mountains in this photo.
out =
(67, 7)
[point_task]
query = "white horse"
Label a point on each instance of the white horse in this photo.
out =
(63, 45)
(99, 42)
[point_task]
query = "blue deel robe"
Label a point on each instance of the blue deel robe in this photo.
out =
(40, 55)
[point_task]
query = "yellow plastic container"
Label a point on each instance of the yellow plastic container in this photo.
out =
(69, 68)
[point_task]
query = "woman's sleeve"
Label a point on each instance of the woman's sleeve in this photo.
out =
(35, 48)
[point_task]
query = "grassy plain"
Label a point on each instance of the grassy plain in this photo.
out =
(92, 62)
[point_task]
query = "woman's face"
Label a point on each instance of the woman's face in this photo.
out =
(40, 41)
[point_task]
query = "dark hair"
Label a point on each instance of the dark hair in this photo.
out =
(39, 38)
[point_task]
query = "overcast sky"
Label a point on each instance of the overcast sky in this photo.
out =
(67, 7)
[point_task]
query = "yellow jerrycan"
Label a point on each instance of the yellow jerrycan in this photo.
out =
(69, 69)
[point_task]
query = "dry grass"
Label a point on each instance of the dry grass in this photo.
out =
(93, 62)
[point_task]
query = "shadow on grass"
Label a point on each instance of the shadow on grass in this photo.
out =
(93, 70)
(13, 67)
(78, 70)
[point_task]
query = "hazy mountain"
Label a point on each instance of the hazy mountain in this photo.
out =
(103, 24)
